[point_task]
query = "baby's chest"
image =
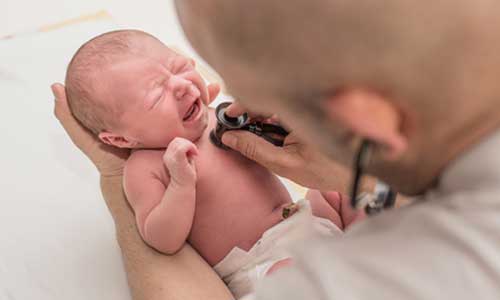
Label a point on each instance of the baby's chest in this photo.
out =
(222, 169)
(217, 170)
(224, 178)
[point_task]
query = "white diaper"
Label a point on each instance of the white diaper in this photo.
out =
(240, 269)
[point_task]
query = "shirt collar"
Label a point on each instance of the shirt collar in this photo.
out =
(477, 169)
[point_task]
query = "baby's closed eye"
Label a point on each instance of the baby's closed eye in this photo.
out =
(180, 65)
(154, 97)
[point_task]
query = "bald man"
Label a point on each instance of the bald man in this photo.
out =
(419, 80)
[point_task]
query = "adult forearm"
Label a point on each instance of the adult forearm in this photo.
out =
(154, 276)
(116, 201)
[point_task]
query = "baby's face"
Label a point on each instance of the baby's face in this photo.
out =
(162, 97)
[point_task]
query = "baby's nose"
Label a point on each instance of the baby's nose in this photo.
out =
(182, 88)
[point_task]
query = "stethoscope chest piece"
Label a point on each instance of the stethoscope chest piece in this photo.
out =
(272, 133)
(225, 123)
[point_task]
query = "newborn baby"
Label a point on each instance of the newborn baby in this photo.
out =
(134, 92)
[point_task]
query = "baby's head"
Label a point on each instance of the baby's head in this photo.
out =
(132, 91)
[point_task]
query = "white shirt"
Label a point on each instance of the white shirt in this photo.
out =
(446, 246)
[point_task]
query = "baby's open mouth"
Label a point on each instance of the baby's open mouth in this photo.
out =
(192, 111)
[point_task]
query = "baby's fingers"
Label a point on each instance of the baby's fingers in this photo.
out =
(179, 151)
(179, 160)
(183, 147)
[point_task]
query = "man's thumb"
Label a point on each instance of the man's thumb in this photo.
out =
(253, 147)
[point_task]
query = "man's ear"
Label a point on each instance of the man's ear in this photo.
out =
(370, 116)
(117, 140)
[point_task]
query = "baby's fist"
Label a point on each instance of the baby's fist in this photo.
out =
(179, 160)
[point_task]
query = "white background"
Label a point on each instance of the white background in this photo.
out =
(154, 16)
(157, 17)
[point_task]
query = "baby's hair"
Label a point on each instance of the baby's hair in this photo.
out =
(93, 56)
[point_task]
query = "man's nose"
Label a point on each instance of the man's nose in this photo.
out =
(182, 88)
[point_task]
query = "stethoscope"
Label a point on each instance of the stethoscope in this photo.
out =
(384, 197)
(373, 203)
(272, 133)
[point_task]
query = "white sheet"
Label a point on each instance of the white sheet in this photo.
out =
(56, 236)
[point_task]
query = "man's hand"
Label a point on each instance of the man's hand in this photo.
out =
(179, 160)
(108, 160)
(296, 160)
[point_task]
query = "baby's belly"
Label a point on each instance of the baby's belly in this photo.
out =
(236, 216)
(236, 202)
(214, 239)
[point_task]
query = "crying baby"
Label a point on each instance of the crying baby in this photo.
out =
(132, 91)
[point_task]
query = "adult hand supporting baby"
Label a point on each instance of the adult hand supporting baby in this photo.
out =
(108, 160)
(151, 275)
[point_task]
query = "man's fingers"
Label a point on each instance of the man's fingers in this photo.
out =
(58, 91)
(235, 110)
(61, 108)
(81, 137)
(255, 148)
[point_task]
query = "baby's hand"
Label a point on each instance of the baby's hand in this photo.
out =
(179, 160)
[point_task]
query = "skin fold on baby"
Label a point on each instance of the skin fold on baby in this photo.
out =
(134, 92)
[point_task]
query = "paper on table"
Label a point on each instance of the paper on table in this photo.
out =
(58, 238)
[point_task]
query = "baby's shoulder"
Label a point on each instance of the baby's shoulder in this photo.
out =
(145, 161)
(143, 169)
(146, 155)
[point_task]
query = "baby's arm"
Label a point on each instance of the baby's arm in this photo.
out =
(164, 214)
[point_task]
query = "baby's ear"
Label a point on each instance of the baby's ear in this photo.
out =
(116, 140)
(213, 92)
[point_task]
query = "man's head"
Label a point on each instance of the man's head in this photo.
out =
(132, 91)
(417, 79)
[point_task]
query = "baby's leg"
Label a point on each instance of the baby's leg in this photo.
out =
(328, 209)
(278, 265)
(343, 215)
(324, 207)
